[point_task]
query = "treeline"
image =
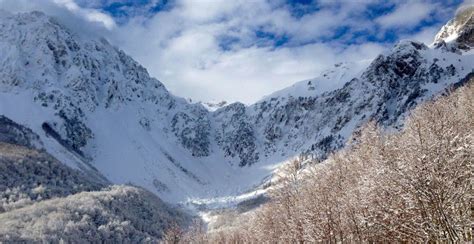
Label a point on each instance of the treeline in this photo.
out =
(407, 186)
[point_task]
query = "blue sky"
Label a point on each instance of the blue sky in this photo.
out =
(436, 13)
(241, 50)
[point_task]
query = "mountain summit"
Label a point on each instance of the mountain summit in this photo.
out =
(459, 30)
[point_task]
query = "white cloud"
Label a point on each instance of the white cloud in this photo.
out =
(467, 3)
(200, 70)
(207, 10)
(182, 46)
(62, 9)
(425, 35)
(407, 14)
(75, 21)
(92, 15)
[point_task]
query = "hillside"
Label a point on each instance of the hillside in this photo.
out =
(43, 200)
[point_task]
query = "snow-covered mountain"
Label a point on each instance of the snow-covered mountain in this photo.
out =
(458, 31)
(94, 107)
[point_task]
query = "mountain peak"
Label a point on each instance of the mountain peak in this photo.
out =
(43, 55)
(459, 30)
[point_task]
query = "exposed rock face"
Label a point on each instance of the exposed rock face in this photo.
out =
(71, 75)
(388, 88)
(459, 30)
(235, 134)
(193, 131)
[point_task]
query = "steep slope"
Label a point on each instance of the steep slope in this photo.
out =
(91, 103)
(458, 32)
(28, 176)
(117, 214)
(43, 200)
(389, 87)
(94, 107)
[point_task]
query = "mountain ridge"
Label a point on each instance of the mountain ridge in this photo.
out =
(92, 104)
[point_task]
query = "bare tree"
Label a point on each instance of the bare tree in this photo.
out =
(408, 186)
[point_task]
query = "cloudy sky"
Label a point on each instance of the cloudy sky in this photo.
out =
(241, 50)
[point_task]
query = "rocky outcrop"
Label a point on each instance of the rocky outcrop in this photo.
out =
(458, 33)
